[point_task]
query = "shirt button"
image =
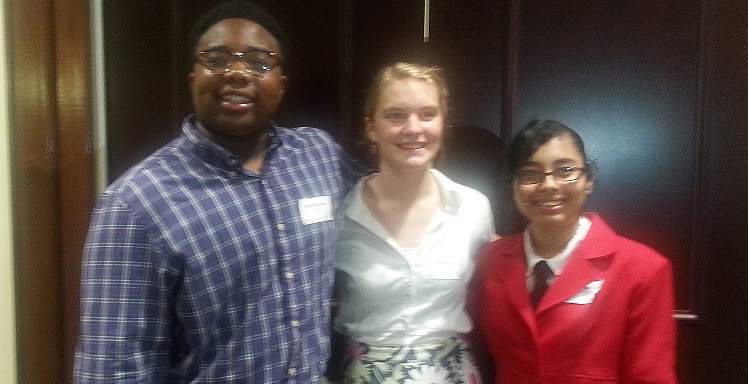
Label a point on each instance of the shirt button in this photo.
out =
(289, 275)
(294, 323)
(233, 161)
(292, 371)
(281, 227)
(232, 175)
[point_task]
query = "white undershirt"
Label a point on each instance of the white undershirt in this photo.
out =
(557, 262)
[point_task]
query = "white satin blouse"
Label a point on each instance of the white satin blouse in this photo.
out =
(391, 296)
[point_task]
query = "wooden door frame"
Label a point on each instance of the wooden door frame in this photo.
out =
(52, 178)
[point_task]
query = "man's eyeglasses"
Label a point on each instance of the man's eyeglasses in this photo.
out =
(256, 61)
(560, 174)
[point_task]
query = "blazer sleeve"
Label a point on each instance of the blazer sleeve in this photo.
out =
(649, 348)
(476, 338)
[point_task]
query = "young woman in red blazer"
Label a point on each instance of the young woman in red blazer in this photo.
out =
(606, 316)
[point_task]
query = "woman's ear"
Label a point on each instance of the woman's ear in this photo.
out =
(369, 129)
(589, 184)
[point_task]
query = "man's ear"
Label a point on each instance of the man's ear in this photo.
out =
(283, 84)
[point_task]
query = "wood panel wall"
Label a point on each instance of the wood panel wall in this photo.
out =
(625, 75)
(35, 203)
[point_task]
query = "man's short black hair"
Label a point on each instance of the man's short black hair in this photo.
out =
(238, 10)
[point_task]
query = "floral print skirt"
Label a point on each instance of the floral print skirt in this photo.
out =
(447, 363)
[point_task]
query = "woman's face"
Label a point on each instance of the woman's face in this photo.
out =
(552, 202)
(407, 125)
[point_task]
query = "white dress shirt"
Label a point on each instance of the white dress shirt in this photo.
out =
(393, 296)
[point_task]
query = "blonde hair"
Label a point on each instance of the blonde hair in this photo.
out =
(405, 71)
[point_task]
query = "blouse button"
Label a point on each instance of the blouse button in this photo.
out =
(281, 227)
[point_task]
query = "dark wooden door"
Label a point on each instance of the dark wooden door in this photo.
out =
(640, 81)
(722, 236)
(625, 75)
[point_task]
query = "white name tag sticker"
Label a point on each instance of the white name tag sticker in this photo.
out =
(587, 294)
(315, 209)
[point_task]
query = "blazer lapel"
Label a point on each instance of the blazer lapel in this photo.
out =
(513, 279)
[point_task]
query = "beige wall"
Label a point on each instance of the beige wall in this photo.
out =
(7, 301)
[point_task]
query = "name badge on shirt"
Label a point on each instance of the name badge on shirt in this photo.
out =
(315, 209)
(587, 294)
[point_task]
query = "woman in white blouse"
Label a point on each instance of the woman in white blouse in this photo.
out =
(407, 244)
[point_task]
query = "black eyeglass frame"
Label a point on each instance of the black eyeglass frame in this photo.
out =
(558, 175)
(249, 66)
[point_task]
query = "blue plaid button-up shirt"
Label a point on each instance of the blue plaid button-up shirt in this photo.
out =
(196, 270)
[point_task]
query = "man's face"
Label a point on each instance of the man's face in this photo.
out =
(237, 104)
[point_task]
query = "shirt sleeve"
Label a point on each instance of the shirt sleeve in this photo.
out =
(483, 219)
(651, 336)
(124, 305)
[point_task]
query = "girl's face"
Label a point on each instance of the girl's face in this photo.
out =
(407, 125)
(552, 202)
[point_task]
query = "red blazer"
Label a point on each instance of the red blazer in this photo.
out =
(625, 333)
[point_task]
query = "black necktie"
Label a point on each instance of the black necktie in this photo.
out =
(541, 272)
